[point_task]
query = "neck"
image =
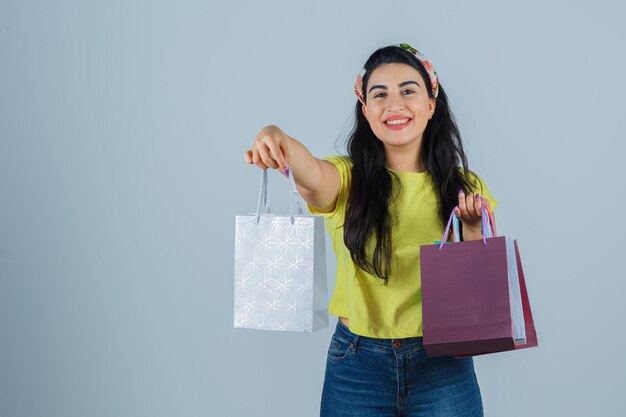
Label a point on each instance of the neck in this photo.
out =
(403, 159)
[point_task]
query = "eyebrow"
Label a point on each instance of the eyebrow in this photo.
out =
(384, 87)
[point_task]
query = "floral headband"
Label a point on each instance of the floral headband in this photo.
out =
(432, 74)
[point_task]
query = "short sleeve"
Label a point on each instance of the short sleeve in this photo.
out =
(482, 189)
(344, 166)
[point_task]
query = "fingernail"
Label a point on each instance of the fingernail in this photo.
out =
(286, 171)
(461, 191)
(477, 196)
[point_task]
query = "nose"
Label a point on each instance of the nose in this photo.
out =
(394, 103)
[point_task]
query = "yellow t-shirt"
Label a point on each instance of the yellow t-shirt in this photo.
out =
(375, 310)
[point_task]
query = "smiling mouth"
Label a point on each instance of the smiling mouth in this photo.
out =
(397, 124)
(397, 121)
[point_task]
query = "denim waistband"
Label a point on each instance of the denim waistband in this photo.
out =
(404, 344)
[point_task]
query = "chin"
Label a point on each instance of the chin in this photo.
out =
(398, 139)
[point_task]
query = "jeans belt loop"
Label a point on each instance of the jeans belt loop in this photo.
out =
(355, 341)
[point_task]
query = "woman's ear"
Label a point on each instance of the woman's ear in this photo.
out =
(364, 110)
(432, 104)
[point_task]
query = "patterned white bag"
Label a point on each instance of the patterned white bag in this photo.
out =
(280, 268)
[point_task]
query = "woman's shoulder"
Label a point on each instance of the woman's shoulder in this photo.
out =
(472, 176)
(479, 186)
(342, 163)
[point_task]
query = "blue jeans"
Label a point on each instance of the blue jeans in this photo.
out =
(394, 377)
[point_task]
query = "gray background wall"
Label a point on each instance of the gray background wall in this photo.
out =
(122, 129)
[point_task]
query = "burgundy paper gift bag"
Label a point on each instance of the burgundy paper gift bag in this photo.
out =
(474, 298)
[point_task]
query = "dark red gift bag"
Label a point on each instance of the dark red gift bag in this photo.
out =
(474, 298)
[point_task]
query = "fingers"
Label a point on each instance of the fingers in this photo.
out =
(264, 158)
(470, 207)
(269, 150)
(474, 205)
(461, 211)
(276, 153)
(285, 154)
(254, 157)
(247, 155)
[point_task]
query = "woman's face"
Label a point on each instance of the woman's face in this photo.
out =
(398, 107)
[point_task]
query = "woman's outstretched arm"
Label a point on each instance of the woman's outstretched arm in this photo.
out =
(317, 181)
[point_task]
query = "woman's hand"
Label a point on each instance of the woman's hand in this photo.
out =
(269, 150)
(470, 213)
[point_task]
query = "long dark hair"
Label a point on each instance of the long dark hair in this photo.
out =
(370, 196)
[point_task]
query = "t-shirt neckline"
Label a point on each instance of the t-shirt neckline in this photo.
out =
(408, 172)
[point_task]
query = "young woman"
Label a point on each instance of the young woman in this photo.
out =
(404, 174)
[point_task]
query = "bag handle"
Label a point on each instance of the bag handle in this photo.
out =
(486, 225)
(294, 196)
(264, 198)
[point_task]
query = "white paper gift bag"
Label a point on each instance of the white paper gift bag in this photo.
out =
(280, 268)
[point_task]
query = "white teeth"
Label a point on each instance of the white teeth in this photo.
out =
(397, 121)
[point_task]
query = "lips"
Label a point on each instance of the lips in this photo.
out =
(396, 117)
(397, 122)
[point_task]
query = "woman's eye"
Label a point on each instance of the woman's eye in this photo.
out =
(404, 92)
